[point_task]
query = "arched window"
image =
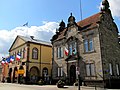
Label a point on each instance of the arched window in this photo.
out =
(34, 53)
(45, 72)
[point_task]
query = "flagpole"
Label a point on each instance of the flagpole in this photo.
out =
(81, 9)
(26, 25)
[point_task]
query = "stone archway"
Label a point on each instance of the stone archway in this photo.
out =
(72, 74)
(34, 74)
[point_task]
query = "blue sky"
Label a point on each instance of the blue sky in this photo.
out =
(43, 17)
(14, 13)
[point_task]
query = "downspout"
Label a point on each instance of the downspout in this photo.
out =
(27, 64)
(40, 61)
(101, 51)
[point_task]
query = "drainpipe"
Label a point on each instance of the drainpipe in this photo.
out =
(27, 63)
(40, 61)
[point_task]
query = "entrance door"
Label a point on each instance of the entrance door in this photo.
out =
(34, 74)
(72, 74)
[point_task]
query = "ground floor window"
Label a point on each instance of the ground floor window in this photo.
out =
(60, 72)
(110, 69)
(90, 69)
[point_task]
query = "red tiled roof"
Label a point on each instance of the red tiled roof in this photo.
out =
(89, 22)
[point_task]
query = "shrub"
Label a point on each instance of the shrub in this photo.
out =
(60, 84)
(76, 83)
(41, 82)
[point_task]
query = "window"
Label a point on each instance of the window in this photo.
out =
(60, 52)
(34, 53)
(72, 48)
(117, 68)
(88, 45)
(60, 72)
(90, 69)
(110, 69)
(24, 52)
(21, 53)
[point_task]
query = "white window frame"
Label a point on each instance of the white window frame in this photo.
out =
(87, 45)
(117, 69)
(60, 53)
(90, 69)
(110, 69)
(60, 72)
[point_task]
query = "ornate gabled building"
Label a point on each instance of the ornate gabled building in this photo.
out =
(91, 50)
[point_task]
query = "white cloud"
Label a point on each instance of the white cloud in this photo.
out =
(44, 32)
(115, 7)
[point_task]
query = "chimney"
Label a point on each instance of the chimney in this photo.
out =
(32, 37)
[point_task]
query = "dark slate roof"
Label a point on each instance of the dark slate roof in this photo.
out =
(29, 39)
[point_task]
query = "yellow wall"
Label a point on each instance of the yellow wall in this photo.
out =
(44, 56)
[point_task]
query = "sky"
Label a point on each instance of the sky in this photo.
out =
(43, 17)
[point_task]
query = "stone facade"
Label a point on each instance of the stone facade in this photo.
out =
(95, 50)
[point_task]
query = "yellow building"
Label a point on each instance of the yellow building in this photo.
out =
(35, 60)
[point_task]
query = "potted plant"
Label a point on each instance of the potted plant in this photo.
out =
(60, 84)
(41, 82)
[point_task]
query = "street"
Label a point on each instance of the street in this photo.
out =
(13, 86)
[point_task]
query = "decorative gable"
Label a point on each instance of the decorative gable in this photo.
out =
(18, 42)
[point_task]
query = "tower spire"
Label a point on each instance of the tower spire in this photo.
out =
(105, 5)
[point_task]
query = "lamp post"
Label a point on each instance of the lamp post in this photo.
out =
(78, 74)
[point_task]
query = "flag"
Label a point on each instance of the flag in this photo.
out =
(2, 62)
(66, 51)
(12, 58)
(7, 61)
(26, 24)
(18, 57)
(74, 51)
